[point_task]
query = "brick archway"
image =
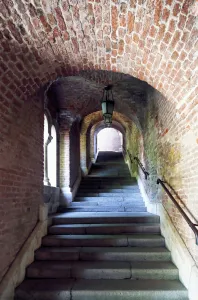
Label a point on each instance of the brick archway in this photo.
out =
(102, 42)
(97, 128)
(88, 128)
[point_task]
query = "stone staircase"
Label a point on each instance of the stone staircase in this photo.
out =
(104, 246)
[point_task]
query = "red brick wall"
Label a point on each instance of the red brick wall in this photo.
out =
(21, 173)
(167, 147)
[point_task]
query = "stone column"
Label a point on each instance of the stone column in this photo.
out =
(46, 178)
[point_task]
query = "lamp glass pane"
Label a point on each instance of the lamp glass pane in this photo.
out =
(104, 107)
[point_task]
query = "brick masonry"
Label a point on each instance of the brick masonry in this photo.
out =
(98, 42)
(21, 174)
(167, 147)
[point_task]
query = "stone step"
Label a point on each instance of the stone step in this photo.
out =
(105, 209)
(108, 195)
(92, 180)
(103, 253)
(102, 270)
(105, 228)
(115, 176)
(108, 202)
(97, 198)
(110, 189)
(108, 185)
(109, 199)
(104, 217)
(58, 253)
(103, 178)
(135, 240)
(128, 290)
(82, 289)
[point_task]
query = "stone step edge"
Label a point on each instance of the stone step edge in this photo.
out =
(96, 286)
(133, 270)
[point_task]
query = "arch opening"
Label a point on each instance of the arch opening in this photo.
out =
(109, 139)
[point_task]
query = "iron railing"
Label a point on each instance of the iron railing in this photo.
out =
(146, 174)
(129, 155)
(190, 223)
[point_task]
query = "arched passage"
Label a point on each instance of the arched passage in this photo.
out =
(91, 125)
(155, 43)
(109, 139)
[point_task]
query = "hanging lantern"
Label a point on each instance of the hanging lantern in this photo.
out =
(107, 105)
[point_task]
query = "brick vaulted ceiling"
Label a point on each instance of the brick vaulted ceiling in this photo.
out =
(155, 41)
(81, 95)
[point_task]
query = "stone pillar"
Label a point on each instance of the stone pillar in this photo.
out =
(46, 178)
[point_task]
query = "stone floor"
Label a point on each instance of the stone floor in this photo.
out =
(104, 246)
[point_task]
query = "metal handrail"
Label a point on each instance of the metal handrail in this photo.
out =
(190, 223)
(146, 174)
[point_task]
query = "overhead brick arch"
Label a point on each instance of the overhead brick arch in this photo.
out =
(43, 40)
(82, 95)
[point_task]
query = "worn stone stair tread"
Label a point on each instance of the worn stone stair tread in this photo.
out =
(82, 289)
(117, 191)
(102, 253)
(104, 228)
(102, 236)
(107, 215)
(109, 178)
(132, 250)
(128, 289)
(98, 187)
(102, 270)
(44, 289)
(124, 240)
(154, 270)
(108, 203)
(104, 217)
(80, 269)
(125, 254)
(100, 196)
(111, 199)
(58, 253)
(128, 225)
(105, 209)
